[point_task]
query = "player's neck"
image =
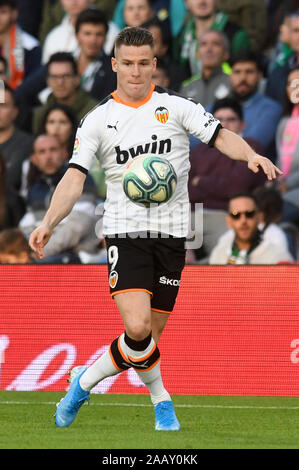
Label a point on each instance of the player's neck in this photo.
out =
(123, 96)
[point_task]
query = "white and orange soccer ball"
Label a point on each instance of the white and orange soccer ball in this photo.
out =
(149, 179)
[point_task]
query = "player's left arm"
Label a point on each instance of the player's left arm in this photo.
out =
(236, 148)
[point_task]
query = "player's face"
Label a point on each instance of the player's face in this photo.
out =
(134, 67)
(91, 38)
(47, 155)
(245, 78)
(230, 120)
(137, 12)
(245, 227)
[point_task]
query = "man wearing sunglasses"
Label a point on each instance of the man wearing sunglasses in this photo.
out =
(244, 243)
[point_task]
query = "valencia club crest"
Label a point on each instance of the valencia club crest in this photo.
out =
(162, 114)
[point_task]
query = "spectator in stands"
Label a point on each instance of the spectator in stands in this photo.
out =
(161, 75)
(282, 51)
(270, 204)
(48, 167)
(137, 12)
(12, 206)
(208, 177)
(15, 145)
(287, 140)
(278, 78)
(162, 51)
(21, 50)
(53, 13)
(213, 82)
(64, 80)
(245, 244)
(14, 248)
(61, 121)
(251, 16)
(63, 37)
(261, 113)
(202, 17)
(94, 66)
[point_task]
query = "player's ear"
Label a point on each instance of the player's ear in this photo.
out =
(114, 64)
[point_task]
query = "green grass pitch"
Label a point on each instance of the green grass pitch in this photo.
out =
(127, 422)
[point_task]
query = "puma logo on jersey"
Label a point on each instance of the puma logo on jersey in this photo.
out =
(156, 146)
(109, 126)
(169, 282)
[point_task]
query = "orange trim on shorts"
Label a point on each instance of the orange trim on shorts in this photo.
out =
(134, 105)
(160, 311)
(133, 359)
(149, 368)
(113, 361)
(132, 289)
(121, 351)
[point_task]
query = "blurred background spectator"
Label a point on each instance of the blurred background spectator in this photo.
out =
(63, 36)
(238, 59)
(261, 113)
(287, 140)
(64, 81)
(208, 178)
(202, 16)
(12, 206)
(21, 50)
(14, 248)
(15, 144)
(48, 165)
(244, 243)
(213, 82)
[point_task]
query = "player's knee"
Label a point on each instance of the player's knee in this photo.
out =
(138, 331)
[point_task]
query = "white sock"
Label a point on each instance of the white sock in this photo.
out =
(99, 370)
(151, 378)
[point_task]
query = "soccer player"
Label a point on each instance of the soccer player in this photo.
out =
(144, 270)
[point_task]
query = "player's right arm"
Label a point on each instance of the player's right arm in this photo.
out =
(67, 192)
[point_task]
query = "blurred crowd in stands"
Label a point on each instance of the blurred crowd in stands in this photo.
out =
(238, 58)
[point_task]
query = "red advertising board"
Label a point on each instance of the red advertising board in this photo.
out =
(234, 330)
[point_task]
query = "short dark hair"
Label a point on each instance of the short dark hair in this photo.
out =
(13, 241)
(134, 36)
(228, 103)
(156, 23)
(270, 202)
(247, 56)
(91, 15)
(62, 57)
(243, 194)
(9, 3)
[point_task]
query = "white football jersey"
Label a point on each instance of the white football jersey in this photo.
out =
(115, 132)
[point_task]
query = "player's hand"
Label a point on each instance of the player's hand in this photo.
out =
(39, 238)
(268, 167)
